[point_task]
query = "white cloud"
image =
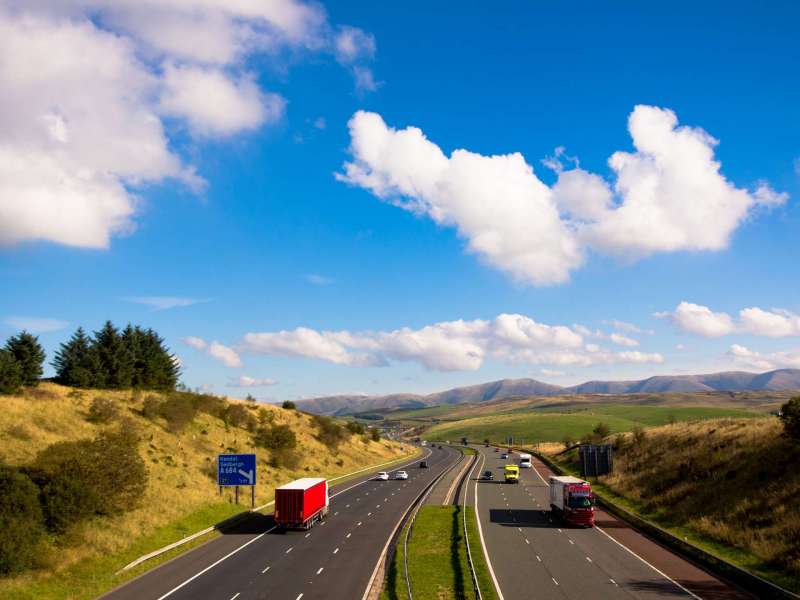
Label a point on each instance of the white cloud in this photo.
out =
(316, 279)
(365, 79)
(623, 340)
(628, 327)
(37, 324)
(352, 44)
(215, 104)
(247, 381)
(165, 302)
(445, 346)
(667, 196)
(765, 362)
(700, 320)
(320, 123)
(86, 84)
(224, 354)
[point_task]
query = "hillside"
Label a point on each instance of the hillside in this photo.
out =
(181, 494)
(730, 381)
(731, 484)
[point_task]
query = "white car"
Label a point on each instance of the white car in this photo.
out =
(401, 475)
(382, 476)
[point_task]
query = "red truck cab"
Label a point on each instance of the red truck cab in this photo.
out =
(572, 500)
(301, 503)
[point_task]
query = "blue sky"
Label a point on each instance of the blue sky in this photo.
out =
(192, 187)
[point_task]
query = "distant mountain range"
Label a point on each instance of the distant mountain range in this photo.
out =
(729, 381)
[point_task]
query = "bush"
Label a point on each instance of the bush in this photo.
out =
(638, 436)
(64, 500)
(238, 416)
(179, 410)
(108, 468)
(10, 373)
(355, 428)
(250, 398)
(207, 403)
(601, 431)
(568, 442)
(265, 417)
(375, 435)
(285, 458)
(102, 410)
(790, 415)
(151, 408)
(288, 404)
(21, 521)
(29, 354)
(276, 437)
(330, 432)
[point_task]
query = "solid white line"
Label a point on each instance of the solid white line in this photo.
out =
(664, 575)
(235, 596)
(214, 564)
(483, 541)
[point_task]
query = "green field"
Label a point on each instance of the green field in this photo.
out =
(554, 424)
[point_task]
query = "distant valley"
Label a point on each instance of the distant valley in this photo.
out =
(728, 381)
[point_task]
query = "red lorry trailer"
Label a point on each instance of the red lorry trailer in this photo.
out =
(301, 503)
(572, 500)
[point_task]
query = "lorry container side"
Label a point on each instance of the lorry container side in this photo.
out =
(302, 502)
(572, 500)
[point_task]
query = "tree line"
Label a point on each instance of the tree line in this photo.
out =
(109, 358)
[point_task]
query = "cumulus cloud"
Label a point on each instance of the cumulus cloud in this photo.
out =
(165, 302)
(247, 381)
(224, 354)
(701, 320)
(352, 44)
(90, 87)
(628, 327)
(445, 346)
(668, 195)
(764, 362)
(36, 324)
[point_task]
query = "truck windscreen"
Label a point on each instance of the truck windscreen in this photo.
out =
(580, 502)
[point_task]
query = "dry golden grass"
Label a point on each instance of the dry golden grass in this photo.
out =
(180, 465)
(733, 481)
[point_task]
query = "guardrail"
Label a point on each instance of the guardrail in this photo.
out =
(745, 579)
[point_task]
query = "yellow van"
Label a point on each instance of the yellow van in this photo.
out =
(511, 473)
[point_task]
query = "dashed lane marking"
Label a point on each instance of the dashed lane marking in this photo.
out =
(289, 550)
(320, 570)
(235, 596)
(308, 534)
(265, 570)
(335, 551)
(554, 580)
(348, 535)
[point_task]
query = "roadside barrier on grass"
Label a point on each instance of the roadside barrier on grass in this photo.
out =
(714, 564)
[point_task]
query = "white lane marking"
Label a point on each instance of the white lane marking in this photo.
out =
(369, 514)
(377, 506)
(323, 523)
(480, 533)
(589, 559)
(308, 534)
(358, 524)
(539, 558)
(660, 572)
(348, 535)
(298, 598)
(320, 570)
(348, 506)
(289, 550)
(554, 580)
(235, 596)
(335, 551)
(265, 570)
(571, 542)
(527, 541)
(614, 582)
(336, 513)
(214, 564)
(559, 531)
(519, 529)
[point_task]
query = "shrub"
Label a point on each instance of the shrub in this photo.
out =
(108, 468)
(790, 415)
(638, 436)
(10, 373)
(285, 458)
(276, 437)
(64, 499)
(355, 428)
(330, 432)
(29, 354)
(375, 435)
(151, 408)
(21, 522)
(250, 398)
(601, 431)
(288, 404)
(102, 410)
(238, 416)
(265, 417)
(568, 442)
(207, 403)
(178, 410)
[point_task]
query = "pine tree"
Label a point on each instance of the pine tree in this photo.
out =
(108, 348)
(10, 373)
(29, 355)
(76, 362)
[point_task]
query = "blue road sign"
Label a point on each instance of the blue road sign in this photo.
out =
(236, 469)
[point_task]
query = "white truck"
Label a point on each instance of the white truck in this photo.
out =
(572, 500)
(525, 461)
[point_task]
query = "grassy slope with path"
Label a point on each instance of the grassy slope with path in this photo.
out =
(552, 424)
(181, 496)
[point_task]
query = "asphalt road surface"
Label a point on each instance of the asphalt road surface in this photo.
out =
(533, 556)
(334, 560)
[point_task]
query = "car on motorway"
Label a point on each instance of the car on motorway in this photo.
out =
(423, 464)
(401, 475)
(382, 476)
(488, 476)
(497, 449)
(504, 456)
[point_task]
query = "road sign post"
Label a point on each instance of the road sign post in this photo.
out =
(234, 470)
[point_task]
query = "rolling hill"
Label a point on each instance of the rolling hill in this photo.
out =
(728, 381)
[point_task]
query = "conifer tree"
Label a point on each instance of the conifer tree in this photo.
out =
(10, 373)
(29, 354)
(75, 362)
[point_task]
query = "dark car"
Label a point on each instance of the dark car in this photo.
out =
(488, 475)
(497, 449)
(423, 464)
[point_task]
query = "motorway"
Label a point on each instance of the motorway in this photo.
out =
(532, 556)
(334, 560)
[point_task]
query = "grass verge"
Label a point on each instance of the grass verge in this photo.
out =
(437, 558)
